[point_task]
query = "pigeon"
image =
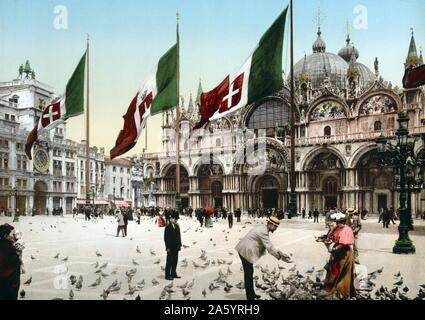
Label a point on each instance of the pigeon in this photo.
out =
(152, 252)
(71, 294)
(230, 253)
(56, 256)
(227, 287)
(22, 293)
(131, 290)
(141, 284)
(157, 261)
(98, 271)
(115, 271)
(185, 246)
(138, 297)
(115, 288)
(240, 285)
(380, 270)
(310, 271)
(185, 292)
(104, 274)
(73, 279)
(28, 282)
(103, 266)
(399, 283)
(190, 284)
(138, 250)
(398, 274)
(155, 282)
(114, 284)
(32, 257)
(213, 286)
(402, 296)
(98, 253)
(96, 265)
(96, 283)
(406, 289)
(162, 268)
(105, 294)
(65, 259)
(79, 283)
(136, 263)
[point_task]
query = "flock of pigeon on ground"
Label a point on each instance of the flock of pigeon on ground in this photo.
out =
(279, 283)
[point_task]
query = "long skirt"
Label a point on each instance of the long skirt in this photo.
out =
(340, 274)
(208, 222)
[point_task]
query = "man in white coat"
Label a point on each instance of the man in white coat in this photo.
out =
(252, 247)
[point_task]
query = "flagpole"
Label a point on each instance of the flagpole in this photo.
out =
(178, 199)
(293, 195)
(88, 125)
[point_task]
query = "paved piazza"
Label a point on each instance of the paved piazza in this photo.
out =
(79, 241)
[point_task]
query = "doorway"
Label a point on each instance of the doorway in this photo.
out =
(185, 202)
(382, 202)
(270, 198)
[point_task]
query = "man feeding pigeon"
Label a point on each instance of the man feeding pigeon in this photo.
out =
(252, 247)
(173, 244)
(10, 264)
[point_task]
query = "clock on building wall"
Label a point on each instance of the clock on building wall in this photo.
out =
(41, 159)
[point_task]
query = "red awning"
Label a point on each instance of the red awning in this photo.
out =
(120, 203)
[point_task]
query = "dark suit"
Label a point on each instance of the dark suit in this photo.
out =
(173, 243)
(10, 271)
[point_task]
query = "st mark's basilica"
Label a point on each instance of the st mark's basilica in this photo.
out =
(342, 106)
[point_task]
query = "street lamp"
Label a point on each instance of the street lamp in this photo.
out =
(404, 161)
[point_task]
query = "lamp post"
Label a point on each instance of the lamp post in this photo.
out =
(403, 159)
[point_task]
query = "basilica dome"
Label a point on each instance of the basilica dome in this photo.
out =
(323, 65)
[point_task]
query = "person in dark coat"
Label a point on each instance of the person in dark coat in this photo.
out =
(230, 219)
(125, 214)
(10, 264)
(173, 243)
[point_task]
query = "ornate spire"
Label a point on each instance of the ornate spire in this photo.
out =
(412, 59)
(198, 95)
(421, 59)
(304, 76)
(190, 107)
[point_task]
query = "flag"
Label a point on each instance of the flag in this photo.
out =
(260, 76)
(158, 94)
(70, 105)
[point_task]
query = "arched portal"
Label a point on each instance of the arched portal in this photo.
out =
(324, 174)
(268, 192)
(169, 185)
(210, 183)
(375, 183)
(40, 197)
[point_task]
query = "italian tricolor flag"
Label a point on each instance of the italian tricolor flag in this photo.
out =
(70, 105)
(260, 76)
(158, 94)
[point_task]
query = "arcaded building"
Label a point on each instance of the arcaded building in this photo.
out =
(342, 106)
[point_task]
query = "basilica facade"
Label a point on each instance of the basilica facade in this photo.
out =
(242, 161)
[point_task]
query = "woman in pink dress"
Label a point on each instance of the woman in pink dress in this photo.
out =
(340, 268)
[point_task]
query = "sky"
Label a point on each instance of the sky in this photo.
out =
(127, 38)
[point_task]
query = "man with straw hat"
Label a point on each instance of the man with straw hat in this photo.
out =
(252, 247)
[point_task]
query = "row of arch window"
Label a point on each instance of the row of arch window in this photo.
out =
(377, 126)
